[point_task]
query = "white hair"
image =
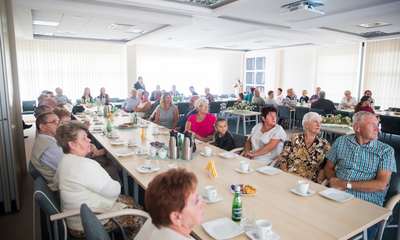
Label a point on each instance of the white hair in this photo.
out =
(358, 118)
(308, 117)
(199, 102)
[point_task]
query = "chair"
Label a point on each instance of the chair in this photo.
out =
(33, 171)
(284, 113)
(92, 226)
(397, 109)
(335, 104)
(215, 108)
(319, 111)
(351, 116)
(78, 101)
(232, 95)
(377, 107)
(182, 107)
(390, 125)
(28, 106)
(223, 96)
(120, 100)
(114, 100)
(230, 103)
(240, 141)
(300, 112)
(215, 96)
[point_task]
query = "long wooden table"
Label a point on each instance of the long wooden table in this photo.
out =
(292, 216)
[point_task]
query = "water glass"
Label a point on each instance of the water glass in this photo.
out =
(247, 221)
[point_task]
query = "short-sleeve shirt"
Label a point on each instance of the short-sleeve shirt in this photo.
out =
(356, 162)
(61, 99)
(305, 99)
(314, 97)
(204, 128)
(166, 118)
(259, 140)
(210, 98)
(352, 102)
(290, 101)
(129, 103)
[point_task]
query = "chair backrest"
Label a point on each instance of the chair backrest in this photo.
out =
(397, 109)
(215, 107)
(230, 103)
(215, 96)
(390, 124)
(33, 171)
(182, 107)
(335, 104)
(351, 115)
(283, 111)
(48, 203)
(393, 187)
(300, 112)
(223, 96)
(121, 100)
(78, 101)
(240, 140)
(377, 107)
(114, 100)
(319, 111)
(27, 106)
(92, 226)
(343, 113)
(232, 95)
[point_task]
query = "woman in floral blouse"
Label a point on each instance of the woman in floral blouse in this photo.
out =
(305, 154)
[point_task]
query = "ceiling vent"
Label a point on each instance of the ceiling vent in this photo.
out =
(375, 24)
(372, 34)
(118, 26)
(302, 10)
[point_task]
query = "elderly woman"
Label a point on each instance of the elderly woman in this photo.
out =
(82, 180)
(348, 100)
(267, 138)
(140, 94)
(86, 97)
(174, 206)
(167, 113)
(304, 154)
(304, 96)
(290, 100)
(202, 123)
(143, 105)
(364, 105)
(104, 96)
(63, 114)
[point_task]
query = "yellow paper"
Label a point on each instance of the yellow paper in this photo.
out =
(143, 133)
(111, 115)
(211, 166)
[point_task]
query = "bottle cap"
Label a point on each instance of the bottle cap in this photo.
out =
(237, 189)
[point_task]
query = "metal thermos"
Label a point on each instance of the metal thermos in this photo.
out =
(187, 146)
(107, 109)
(173, 145)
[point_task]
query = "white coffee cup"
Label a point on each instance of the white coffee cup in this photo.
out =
(142, 149)
(211, 193)
(302, 186)
(162, 154)
(244, 165)
(170, 166)
(264, 228)
(95, 117)
(144, 124)
(208, 150)
(131, 141)
(114, 134)
(91, 113)
(156, 131)
(83, 115)
(153, 151)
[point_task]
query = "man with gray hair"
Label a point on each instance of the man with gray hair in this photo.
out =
(209, 96)
(60, 98)
(364, 164)
(50, 102)
(190, 111)
(42, 97)
(323, 103)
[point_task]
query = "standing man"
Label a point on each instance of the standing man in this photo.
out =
(139, 84)
(262, 93)
(173, 92)
(314, 97)
(60, 98)
(158, 88)
(130, 102)
(191, 89)
(192, 110)
(209, 96)
(364, 164)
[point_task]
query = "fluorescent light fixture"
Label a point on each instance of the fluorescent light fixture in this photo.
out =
(137, 31)
(263, 41)
(43, 33)
(45, 23)
(372, 34)
(118, 26)
(375, 24)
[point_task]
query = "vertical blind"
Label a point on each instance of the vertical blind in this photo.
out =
(71, 66)
(338, 69)
(382, 72)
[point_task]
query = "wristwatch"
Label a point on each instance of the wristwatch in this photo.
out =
(348, 185)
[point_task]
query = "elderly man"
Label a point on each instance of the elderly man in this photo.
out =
(369, 94)
(173, 92)
(42, 109)
(192, 110)
(130, 102)
(50, 102)
(209, 96)
(158, 88)
(50, 93)
(290, 100)
(270, 100)
(60, 98)
(315, 97)
(364, 164)
(151, 110)
(257, 99)
(42, 97)
(323, 103)
(191, 89)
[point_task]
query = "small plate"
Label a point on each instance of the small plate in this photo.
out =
(223, 228)
(336, 195)
(96, 120)
(248, 171)
(241, 194)
(147, 168)
(143, 126)
(145, 153)
(165, 133)
(113, 137)
(118, 142)
(98, 123)
(124, 153)
(252, 234)
(269, 170)
(308, 193)
(205, 155)
(156, 133)
(134, 145)
(97, 129)
(217, 199)
(227, 155)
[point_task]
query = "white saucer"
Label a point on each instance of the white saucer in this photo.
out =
(143, 126)
(240, 170)
(251, 233)
(157, 133)
(145, 153)
(134, 145)
(205, 155)
(118, 142)
(217, 199)
(308, 193)
(124, 153)
(148, 168)
(113, 137)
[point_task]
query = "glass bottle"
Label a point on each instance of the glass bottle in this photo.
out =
(237, 205)
(109, 128)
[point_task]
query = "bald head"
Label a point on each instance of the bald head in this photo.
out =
(256, 93)
(193, 100)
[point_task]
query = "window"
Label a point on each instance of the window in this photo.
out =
(255, 73)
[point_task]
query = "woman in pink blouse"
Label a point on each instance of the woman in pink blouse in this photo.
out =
(202, 123)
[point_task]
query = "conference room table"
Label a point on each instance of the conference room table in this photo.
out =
(292, 216)
(242, 114)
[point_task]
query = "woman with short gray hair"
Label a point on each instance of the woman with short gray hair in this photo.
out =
(201, 123)
(304, 154)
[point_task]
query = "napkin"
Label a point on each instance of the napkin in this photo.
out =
(211, 166)
(143, 133)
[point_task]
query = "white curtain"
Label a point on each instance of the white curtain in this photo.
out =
(71, 66)
(382, 72)
(338, 69)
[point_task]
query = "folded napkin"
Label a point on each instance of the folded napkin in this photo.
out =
(211, 168)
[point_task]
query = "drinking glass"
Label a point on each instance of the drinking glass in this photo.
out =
(247, 221)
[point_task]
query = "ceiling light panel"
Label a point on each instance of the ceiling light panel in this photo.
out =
(120, 26)
(375, 24)
(45, 23)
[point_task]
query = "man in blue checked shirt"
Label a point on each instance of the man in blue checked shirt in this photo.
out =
(364, 164)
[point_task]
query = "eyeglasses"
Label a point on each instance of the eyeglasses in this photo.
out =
(203, 106)
(54, 122)
(271, 114)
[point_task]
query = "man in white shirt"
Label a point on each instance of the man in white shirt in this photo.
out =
(262, 93)
(60, 98)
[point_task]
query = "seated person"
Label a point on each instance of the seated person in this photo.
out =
(63, 114)
(304, 97)
(140, 94)
(290, 100)
(323, 103)
(152, 109)
(192, 110)
(267, 138)
(257, 99)
(250, 95)
(42, 97)
(41, 109)
(315, 97)
(241, 97)
(348, 100)
(82, 180)
(209, 96)
(223, 138)
(158, 88)
(130, 102)
(174, 206)
(50, 102)
(143, 105)
(104, 97)
(86, 97)
(363, 105)
(191, 89)
(173, 92)
(262, 93)
(364, 165)
(279, 97)
(167, 114)
(202, 123)
(369, 94)
(270, 100)
(304, 154)
(61, 99)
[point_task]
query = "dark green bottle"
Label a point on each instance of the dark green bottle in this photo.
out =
(237, 205)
